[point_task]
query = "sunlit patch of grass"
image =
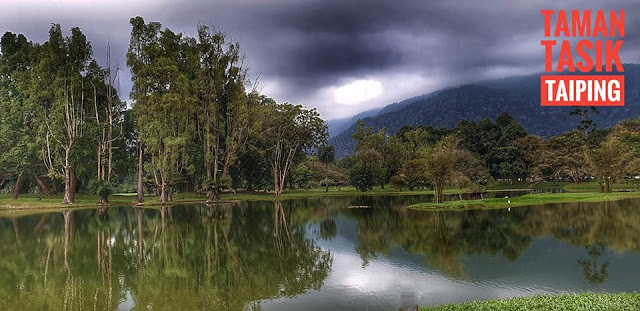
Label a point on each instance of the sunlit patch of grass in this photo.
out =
(528, 199)
(567, 302)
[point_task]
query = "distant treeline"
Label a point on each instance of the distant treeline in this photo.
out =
(474, 154)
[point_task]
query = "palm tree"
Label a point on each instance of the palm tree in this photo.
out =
(326, 155)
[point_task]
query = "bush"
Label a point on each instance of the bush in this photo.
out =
(101, 188)
(399, 181)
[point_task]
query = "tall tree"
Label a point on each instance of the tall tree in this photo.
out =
(586, 125)
(164, 102)
(58, 80)
(226, 111)
(609, 161)
(143, 46)
(447, 164)
(18, 150)
(326, 154)
(288, 130)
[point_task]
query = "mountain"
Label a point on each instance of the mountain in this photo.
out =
(337, 126)
(518, 96)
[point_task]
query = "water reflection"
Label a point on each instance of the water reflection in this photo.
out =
(167, 258)
(312, 254)
(594, 272)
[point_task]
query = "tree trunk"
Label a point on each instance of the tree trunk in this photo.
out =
(163, 194)
(104, 200)
(326, 177)
(99, 158)
(68, 184)
(140, 195)
(72, 190)
(43, 187)
(110, 146)
(437, 193)
(16, 187)
(276, 184)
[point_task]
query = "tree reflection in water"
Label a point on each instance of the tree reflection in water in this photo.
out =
(198, 257)
(235, 256)
(593, 272)
(445, 238)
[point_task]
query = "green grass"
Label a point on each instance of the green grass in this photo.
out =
(25, 201)
(626, 185)
(83, 200)
(32, 201)
(528, 199)
(521, 185)
(333, 191)
(568, 302)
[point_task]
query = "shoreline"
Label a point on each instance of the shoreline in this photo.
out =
(582, 192)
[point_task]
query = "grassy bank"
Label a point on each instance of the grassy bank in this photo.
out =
(33, 201)
(83, 200)
(570, 302)
(528, 199)
(30, 201)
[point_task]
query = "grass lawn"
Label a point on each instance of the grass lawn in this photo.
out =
(528, 199)
(627, 184)
(34, 201)
(569, 302)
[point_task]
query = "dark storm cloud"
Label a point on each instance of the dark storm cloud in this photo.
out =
(301, 48)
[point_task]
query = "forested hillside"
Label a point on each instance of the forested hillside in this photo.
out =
(518, 96)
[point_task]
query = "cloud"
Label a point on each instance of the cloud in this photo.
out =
(301, 49)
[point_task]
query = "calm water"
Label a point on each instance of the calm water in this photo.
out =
(314, 254)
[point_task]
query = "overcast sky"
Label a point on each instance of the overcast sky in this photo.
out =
(340, 56)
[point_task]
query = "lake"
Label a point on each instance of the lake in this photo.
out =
(333, 253)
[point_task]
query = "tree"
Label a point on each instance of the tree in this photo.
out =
(367, 139)
(226, 111)
(587, 125)
(447, 164)
(59, 84)
(415, 173)
(142, 48)
(18, 149)
(161, 63)
(399, 181)
(326, 154)
(288, 130)
(609, 161)
(566, 156)
(529, 156)
(367, 170)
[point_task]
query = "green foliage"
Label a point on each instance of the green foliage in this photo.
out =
(368, 170)
(362, 177)
(610, 161)
(100, 187)
(399, 181)
(302, 175)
